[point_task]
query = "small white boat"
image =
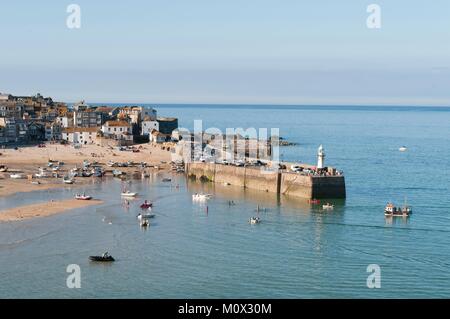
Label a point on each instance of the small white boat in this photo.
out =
(254, 220)
(201, 197)
(17, 176)
(328, 206)
(67, 180)
(83, 197)
(3, 168)
(403, 149)
(145, 216)
(129, 194)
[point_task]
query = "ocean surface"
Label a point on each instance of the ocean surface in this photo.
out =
(298, 251)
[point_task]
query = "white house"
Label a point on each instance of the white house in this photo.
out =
(148, 125)
(158, 137)
(118, 130)
(80, 135)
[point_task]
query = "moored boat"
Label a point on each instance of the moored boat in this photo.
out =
(17, 176)
(254, 220)
(201, 197)
(83, 197)
(68, 180)
(328, 206)
(3, 168)
(103, 258)
(128, 194)
(146, 205)
(392, 211)
(145, 223)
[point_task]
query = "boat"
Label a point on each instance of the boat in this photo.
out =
(112, 164)
(166, 180)
(145, 216)
(201, 197)
(117, 173)
(17, 176)
(83, 197)
(328, 206)
(403, 149)
(146, 205)
(42, 173)
(128, 194)
(3, 168)
(392, 211)
(36, 182)
(145, 223)
(103, 258)
(254, 220)
(68, 180)
(98, 172)
(86, 174)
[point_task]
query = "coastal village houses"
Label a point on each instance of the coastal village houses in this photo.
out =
(81, 135)
(120, 131)
(29, 119)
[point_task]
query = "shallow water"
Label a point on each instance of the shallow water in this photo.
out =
(297, 251)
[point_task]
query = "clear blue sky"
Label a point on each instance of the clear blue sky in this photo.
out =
(210, 51)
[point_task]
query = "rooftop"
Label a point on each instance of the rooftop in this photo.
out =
(81, 129)
(117, 123)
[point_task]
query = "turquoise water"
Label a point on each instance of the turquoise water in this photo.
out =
(297, 251)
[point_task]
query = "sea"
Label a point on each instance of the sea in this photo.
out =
(209, 250)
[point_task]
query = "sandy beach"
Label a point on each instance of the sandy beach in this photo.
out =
(43, 209)
(27, 160)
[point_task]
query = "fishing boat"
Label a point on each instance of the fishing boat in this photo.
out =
(3, 168)
(254, 220)
(392, 211)
(146, 205)
(103, 258)
(327, 206)
(403, 149)
(128, 194)
(83, 197)
(17, 176)
(201, 197)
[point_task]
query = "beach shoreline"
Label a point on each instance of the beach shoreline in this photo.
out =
(27, 161)
(44, 209)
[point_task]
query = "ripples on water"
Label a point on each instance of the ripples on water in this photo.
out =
(297, 251)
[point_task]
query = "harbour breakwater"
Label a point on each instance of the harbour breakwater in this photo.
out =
(281, 182)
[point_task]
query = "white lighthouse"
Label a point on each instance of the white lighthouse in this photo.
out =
(320, 157)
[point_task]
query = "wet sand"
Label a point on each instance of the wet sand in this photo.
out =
(27, 160)
(43, 209)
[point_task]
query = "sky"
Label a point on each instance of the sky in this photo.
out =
(210, 51)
